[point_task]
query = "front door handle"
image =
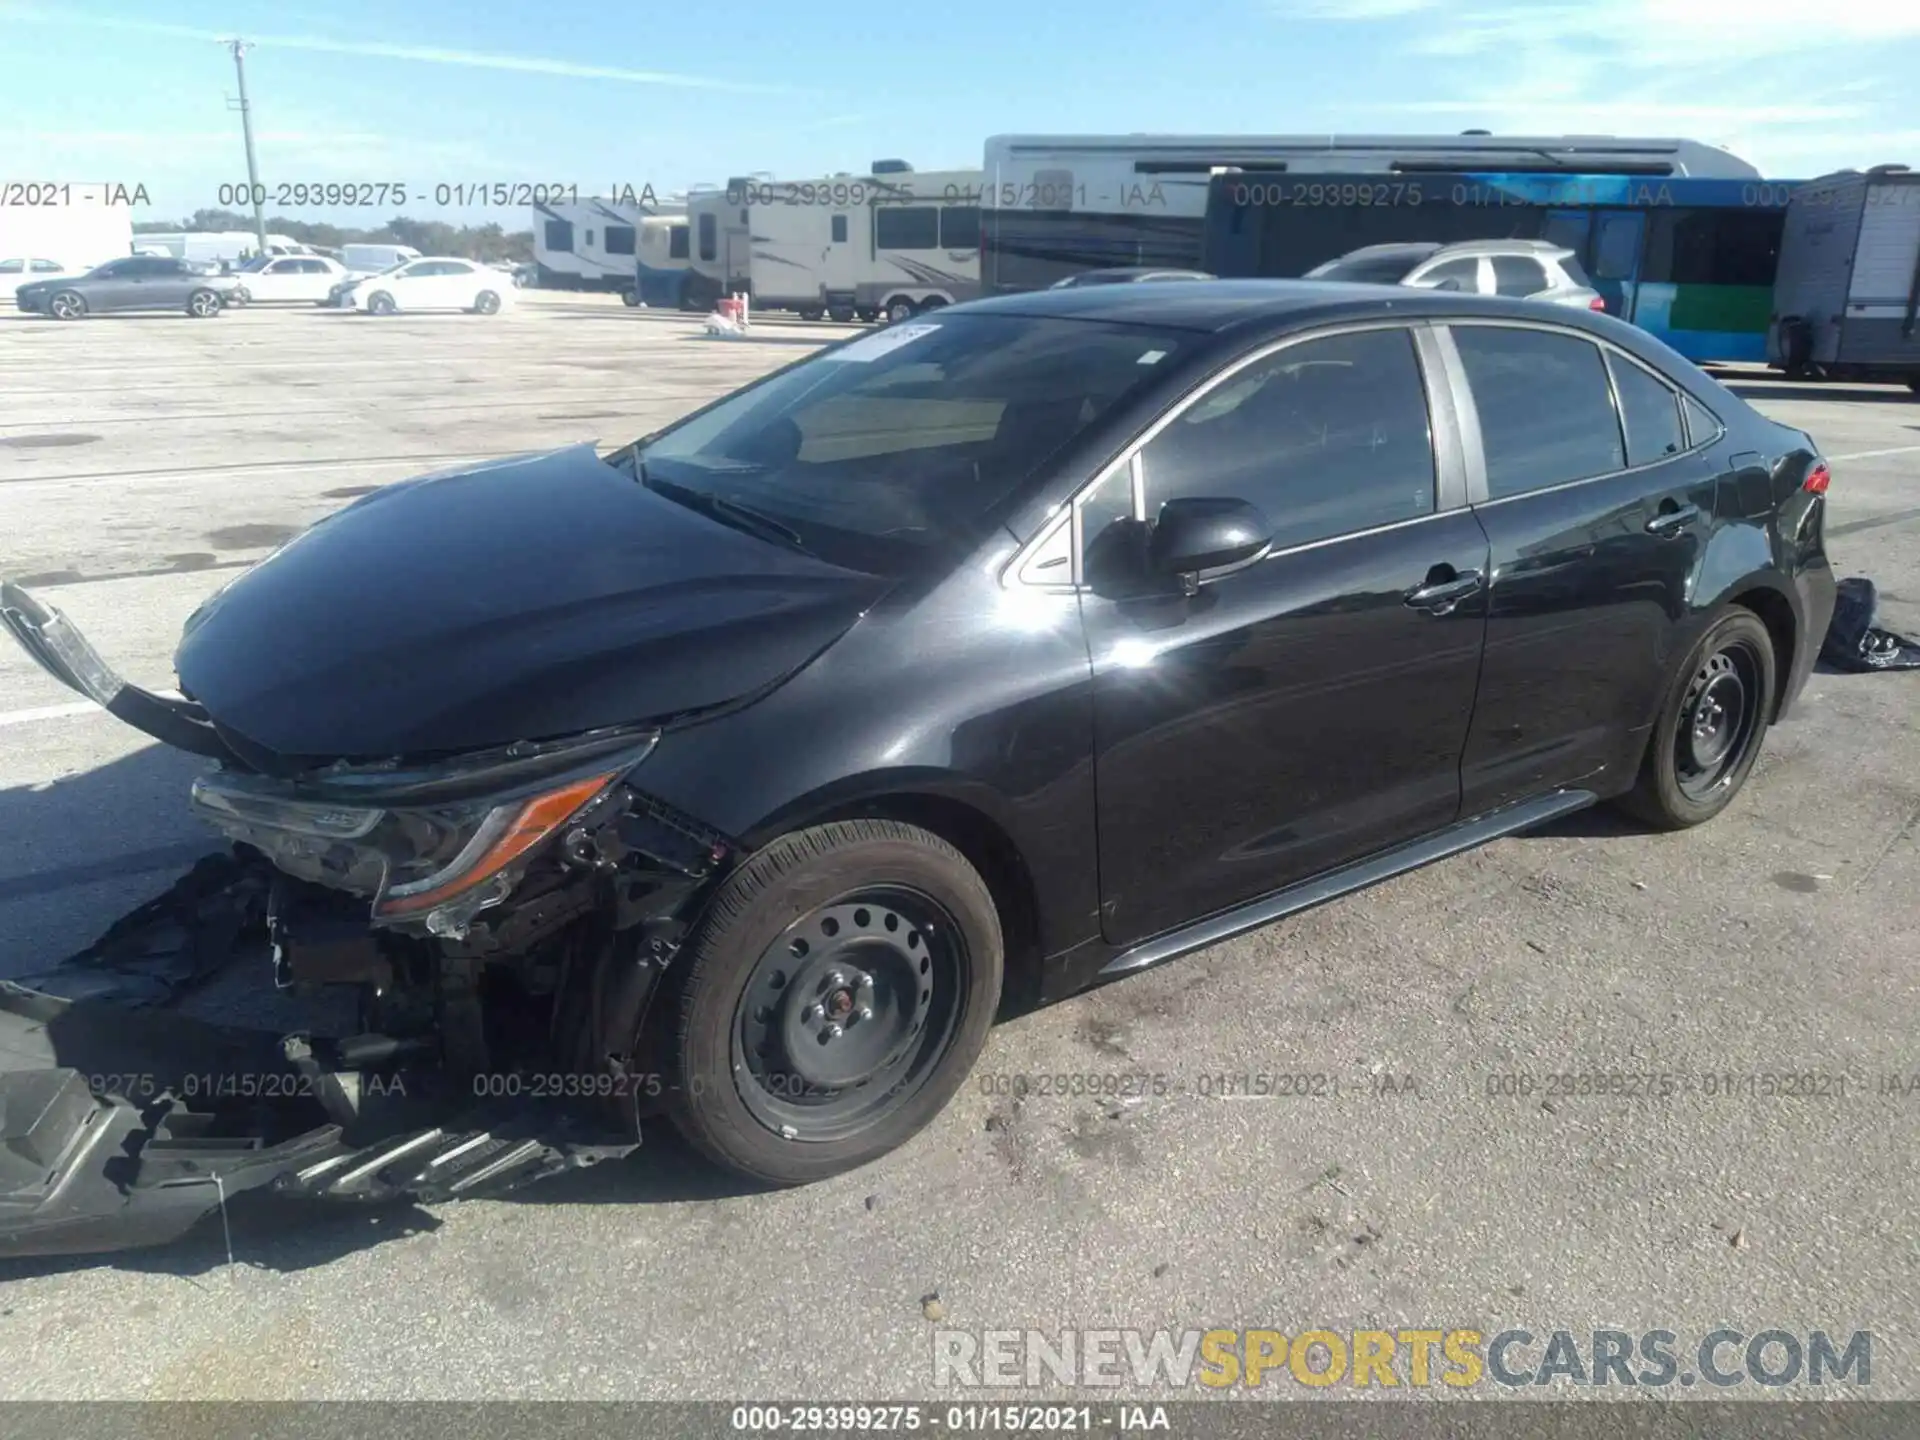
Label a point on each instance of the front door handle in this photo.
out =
(1672, 522)
(1438, 597)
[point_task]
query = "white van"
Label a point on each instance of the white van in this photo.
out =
(372, 259)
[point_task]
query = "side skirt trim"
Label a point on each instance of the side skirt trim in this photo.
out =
(1465, 835)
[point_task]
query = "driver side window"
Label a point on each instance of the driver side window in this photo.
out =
(1324, 438)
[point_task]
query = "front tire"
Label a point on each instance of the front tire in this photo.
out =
(67, 305)
(380, 303)
(1712, 721)
(836, 995)
(203, 304)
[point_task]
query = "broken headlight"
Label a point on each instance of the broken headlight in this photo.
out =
(438, 863)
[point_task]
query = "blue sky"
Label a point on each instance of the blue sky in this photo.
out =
(606, 94)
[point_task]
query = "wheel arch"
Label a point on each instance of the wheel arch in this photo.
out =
(969, 817)
(1767, 597)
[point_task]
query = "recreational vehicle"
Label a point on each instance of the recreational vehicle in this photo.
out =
(890, 244)
(1846, 299)
(589, 244)
(660, 262)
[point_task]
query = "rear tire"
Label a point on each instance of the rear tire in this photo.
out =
(899, 308)
(486, 303)
(630, 298)
(840, 317)
(203, 304)
(1711, 723)
(877, 924)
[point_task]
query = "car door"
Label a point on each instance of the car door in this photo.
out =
(272, 281)
(113, 286)
(1461, 274)
(1595, 528)
(1307, 708)
(165, 285)
(411, 286)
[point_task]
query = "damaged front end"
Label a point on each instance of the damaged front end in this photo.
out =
(495, 923)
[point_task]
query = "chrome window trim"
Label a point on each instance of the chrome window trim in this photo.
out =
(1444, 488)
(1477, 455)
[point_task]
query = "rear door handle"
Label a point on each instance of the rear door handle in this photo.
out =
(1440, 596)
(1671, 522)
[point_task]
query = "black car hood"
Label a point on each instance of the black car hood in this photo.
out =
(523, 599)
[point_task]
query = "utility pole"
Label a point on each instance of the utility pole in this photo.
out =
(254, 190)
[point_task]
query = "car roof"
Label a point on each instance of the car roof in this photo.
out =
(1217, 305)
(1505, 247)
(1397, 250)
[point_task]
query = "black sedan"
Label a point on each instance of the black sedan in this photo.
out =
(134, 282)
(742, 771)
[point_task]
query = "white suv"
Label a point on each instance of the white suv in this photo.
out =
(1521, 269)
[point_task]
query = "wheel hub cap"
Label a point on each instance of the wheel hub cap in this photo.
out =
(840, 1012)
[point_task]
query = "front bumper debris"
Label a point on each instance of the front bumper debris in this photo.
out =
(124, 1121)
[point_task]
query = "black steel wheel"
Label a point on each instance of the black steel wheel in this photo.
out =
(1710, 726)
(839, 991)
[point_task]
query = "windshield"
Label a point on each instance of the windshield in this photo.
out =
(1367, 269)
(902, 445)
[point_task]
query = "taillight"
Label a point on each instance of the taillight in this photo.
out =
(1817, 479)
(1596, 303)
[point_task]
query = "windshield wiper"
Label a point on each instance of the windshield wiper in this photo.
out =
(718, 507)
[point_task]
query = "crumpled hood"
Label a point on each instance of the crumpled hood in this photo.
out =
(523, 599)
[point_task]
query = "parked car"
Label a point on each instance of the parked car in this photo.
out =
(435, 282)
(366, 259)
(743, 769)
(307, 279)
(18, 270)
(1520, 269)
(133, 282)
(1127, 275)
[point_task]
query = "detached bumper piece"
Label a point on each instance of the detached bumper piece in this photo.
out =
(125, 1122)
(84, 1169)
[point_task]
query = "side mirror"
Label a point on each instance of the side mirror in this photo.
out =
(1200, 533)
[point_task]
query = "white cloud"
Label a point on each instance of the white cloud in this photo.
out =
(426, 54)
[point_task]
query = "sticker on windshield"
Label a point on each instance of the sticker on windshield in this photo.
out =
(872, 347)
(1152, 357)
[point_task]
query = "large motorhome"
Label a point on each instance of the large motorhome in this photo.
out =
(1055, 205)
(1846, 298)
(893, 243)
(591, 244)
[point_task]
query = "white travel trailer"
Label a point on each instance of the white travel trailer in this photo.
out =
(590, 244)
(894, 243)
(74, 231)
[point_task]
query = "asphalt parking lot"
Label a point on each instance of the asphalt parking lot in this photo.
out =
(143, 459)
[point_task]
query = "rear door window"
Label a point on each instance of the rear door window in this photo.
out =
(1516, 275)
(1324, 438)
(1650, 410)
(1545, 408)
